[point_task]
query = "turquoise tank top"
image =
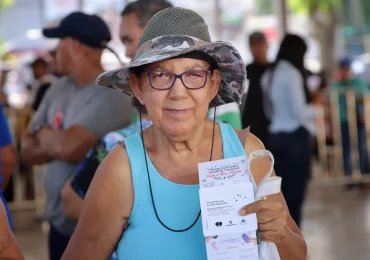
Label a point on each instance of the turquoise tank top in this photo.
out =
(177, 206)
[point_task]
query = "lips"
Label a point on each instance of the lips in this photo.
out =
(177, 111)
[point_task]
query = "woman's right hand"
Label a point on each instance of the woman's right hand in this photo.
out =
(272, 219)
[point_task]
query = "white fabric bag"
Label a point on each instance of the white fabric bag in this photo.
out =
(268, 186)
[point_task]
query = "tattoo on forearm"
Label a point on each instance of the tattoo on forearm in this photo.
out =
(5, 243)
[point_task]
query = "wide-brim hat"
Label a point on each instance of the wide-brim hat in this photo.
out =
(177, 31)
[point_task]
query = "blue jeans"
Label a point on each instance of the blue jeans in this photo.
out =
(7, 209)
(362, 149)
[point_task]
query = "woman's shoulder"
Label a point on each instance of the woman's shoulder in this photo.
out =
(117, 158)
(249, 141)
(113, 176)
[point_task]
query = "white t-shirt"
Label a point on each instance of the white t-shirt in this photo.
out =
(287, 109)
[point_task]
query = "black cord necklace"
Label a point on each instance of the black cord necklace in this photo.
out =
(150, 183)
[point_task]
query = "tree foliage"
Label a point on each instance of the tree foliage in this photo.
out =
(265, 7)
(5, 4)
(324, 16)
(311, 6)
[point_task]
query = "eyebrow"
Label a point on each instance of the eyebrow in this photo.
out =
(196, 66)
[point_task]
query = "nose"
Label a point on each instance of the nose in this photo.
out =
(178, 90)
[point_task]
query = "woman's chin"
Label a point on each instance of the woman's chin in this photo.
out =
(178, 129)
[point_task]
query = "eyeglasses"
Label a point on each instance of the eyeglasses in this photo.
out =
(191, 79)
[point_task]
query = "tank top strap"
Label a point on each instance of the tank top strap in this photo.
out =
(135, 153)
(134, 148)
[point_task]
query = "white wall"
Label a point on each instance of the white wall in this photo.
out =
(22, 16)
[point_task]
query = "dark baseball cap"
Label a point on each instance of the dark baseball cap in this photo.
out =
(90, 30)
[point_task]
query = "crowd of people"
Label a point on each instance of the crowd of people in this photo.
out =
(118, 163)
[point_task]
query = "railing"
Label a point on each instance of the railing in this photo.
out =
(330, 154)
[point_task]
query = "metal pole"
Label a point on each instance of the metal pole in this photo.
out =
(80, 5)
(282, 15)
(218, 14)
(42, 13)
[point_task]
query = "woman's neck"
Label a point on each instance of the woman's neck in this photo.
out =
(191, 143)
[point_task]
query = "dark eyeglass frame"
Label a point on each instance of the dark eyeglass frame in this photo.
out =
(177, 76)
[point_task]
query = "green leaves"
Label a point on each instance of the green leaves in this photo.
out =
(310, 6)
(5, 3)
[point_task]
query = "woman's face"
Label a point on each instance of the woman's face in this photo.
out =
(177, 110)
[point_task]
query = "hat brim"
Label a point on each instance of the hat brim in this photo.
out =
(231, 66)
(55, 32)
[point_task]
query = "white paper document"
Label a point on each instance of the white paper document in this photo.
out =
(225, 188)
(220, 209)
(238, 246)
(223, 172)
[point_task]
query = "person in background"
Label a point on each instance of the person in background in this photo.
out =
(43, 80)
(55, 69)
(134, 17)
(9, 248)
(8, 158)
(346, 81)
(257, 120)
(74, 114)
(286, 105)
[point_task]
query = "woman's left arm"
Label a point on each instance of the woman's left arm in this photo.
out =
(274, 221)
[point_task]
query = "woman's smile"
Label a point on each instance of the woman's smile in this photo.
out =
(177, 112)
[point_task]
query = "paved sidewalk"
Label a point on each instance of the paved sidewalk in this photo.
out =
(336, 226)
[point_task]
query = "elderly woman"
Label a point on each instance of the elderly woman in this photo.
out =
(143, 201)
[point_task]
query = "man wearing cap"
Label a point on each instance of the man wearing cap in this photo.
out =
(134, 18)
(43, 80)
(74, 114)
(256, 120)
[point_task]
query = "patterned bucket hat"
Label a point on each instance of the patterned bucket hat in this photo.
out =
(177, 31)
